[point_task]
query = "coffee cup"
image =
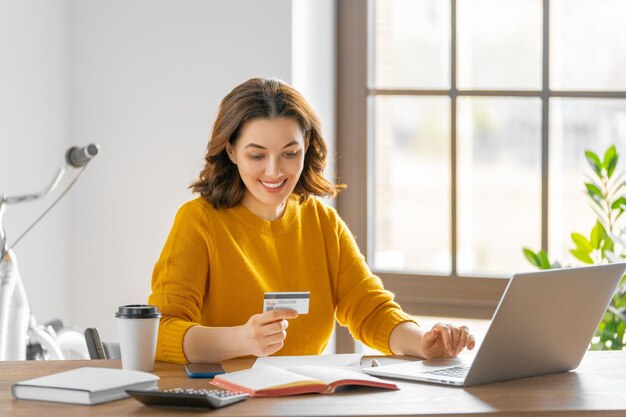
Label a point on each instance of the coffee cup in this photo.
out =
(138, 328)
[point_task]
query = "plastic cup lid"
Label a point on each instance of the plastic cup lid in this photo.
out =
(138, 311)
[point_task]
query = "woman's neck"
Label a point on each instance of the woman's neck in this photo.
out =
(264, 211)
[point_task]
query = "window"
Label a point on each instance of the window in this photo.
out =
(461, 134)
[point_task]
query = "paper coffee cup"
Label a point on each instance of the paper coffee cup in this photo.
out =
(138, 328)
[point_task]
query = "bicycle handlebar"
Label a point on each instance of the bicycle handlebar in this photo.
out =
(30, 197)
(75, 157)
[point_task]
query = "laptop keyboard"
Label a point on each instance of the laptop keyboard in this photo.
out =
(455, 371)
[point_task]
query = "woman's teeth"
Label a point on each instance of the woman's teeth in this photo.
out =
(272, 184)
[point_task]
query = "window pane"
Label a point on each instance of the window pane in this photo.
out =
(575, 126)
(499, 183)
(411, 44)
(587, 44)
(412, 184)
(499, 44)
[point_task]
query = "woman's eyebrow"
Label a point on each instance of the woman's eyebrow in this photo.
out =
(254, 145)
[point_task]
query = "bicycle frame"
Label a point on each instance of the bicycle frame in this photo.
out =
(14, 311)
(18, 326)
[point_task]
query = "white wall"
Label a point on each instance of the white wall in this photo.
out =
(143, 78)
(313, 64)
(313, 73)
(34, 132)
(147, 80)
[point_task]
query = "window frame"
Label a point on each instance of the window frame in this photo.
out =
(448, 295)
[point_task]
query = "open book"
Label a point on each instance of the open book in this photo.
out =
(272, 381)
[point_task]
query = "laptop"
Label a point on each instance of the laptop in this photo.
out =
(543, 324)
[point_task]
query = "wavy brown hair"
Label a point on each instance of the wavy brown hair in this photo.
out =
(261, 98)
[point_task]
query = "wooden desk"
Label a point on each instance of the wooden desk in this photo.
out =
(597, 387)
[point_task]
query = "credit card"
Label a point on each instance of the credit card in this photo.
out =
(298, 301)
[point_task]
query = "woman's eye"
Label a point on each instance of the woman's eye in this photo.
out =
(256, 157)
(291, 154)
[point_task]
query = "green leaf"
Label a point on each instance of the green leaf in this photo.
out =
(608, 155)
(594, 192)
(581, 242)
(608, 246)
(594, 161)
(597, 235)
(531, 257)
(582, 256)
(612, 166)
(610, 160)
(544, 262)
(620, 203)
(539, 259)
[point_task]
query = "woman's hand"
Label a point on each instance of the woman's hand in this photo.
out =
(442, 341)
(265, 332)
(446, 341)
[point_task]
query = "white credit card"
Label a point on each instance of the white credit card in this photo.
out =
(298, 301)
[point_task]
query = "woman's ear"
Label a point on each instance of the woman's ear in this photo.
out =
(231, 153)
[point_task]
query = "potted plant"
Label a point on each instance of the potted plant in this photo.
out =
(606, 242)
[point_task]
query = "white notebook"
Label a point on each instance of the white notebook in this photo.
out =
(84, 385)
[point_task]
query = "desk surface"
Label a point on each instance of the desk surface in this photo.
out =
(597, 387)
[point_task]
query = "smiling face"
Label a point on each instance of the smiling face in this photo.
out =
(269, 155)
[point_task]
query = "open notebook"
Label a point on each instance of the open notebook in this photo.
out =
(270, 381)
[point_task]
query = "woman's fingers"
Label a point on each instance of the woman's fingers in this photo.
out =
(463, 337)
(456, 335)
(275, 315)
(274, 338)
(276, 327)
(446, 337)
(452, 338)
(268, 330)
(275, 334)
(471, 342)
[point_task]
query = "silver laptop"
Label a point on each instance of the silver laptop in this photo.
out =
(543, 324)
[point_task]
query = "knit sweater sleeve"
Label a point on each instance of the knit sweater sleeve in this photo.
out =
(363, 305)
(179, 280)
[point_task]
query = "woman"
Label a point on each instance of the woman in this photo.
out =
(258, 227)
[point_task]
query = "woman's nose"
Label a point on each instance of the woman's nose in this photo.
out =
(273, 168)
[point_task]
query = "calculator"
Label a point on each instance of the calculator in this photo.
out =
(188, 397)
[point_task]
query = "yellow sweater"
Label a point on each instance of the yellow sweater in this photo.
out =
(217, 264)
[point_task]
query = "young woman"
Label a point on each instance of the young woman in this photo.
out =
(258, 227)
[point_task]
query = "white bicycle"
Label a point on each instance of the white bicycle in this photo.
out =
(20, 336)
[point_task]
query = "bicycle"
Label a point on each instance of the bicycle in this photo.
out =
(20, 336)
